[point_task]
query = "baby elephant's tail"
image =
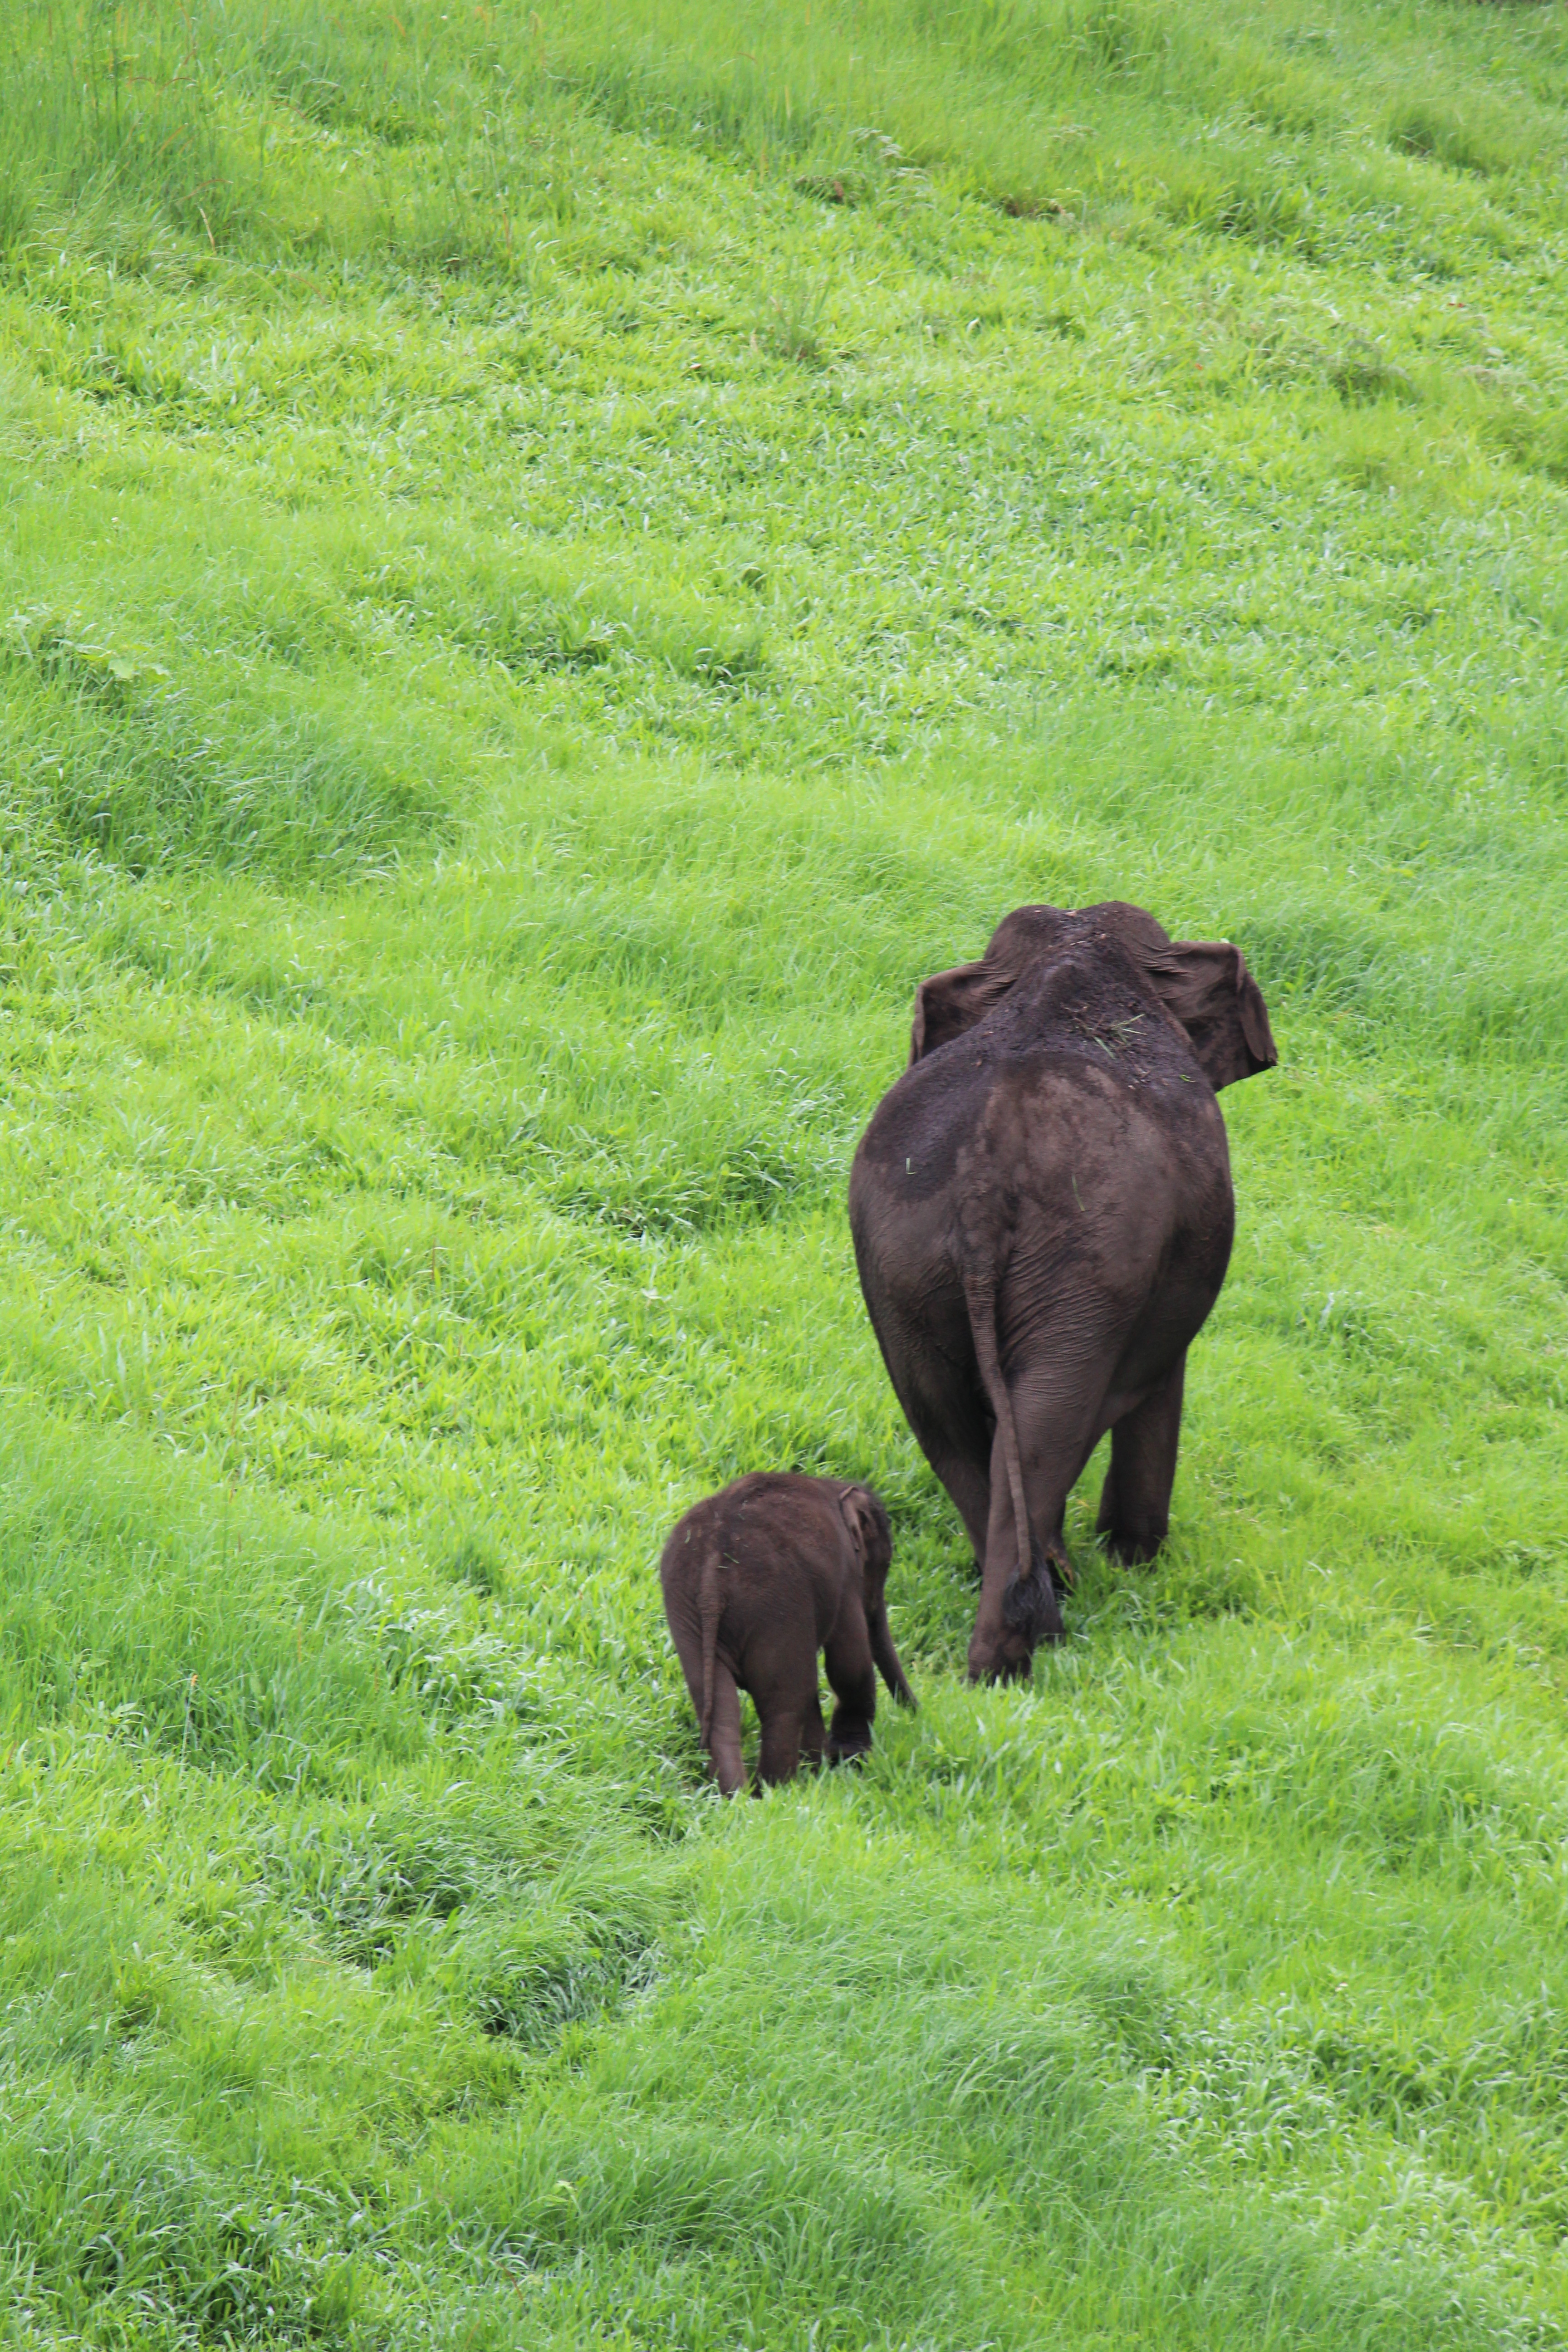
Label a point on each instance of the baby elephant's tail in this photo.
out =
(720, 1699)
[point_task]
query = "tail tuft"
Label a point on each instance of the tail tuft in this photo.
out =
(1029, 1604)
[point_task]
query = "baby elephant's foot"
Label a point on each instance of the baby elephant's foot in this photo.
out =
(850, 1739)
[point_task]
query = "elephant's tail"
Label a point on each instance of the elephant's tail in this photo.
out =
(981, 1294)
(1029, 1603)
(709, 1608)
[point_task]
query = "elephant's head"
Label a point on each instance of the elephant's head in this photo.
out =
(1204, 984)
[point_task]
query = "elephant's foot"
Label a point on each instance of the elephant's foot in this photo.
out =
(850, 1739)
(1029, 1603)
(1014, 1623)
(1003, 1657)
(1131, 1547)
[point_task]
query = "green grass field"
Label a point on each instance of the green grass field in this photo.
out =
(556, 563)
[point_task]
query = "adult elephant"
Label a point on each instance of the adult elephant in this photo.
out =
(1042, 1213)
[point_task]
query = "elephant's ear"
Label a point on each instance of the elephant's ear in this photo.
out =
(952, 1001)
(866, 1517)
(1206, 985)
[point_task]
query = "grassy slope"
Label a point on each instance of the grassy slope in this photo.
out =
(529, 626)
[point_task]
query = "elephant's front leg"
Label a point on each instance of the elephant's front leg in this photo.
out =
(846, 1656)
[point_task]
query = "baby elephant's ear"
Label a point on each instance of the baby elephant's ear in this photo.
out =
(1206, 983)
(867, 1521)
(952, 1001)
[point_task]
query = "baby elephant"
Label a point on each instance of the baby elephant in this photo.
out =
(756, 1580)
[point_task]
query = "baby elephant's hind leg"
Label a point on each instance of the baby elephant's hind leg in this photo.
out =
(792, 1727)
(847, 1657)
(782, 1681)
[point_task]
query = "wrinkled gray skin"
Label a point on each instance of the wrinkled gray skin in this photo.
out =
(757, 1578)
(1042, 1213)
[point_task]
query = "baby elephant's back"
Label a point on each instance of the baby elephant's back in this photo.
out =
(781, 1543)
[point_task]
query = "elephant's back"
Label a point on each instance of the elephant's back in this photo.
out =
(1118, 1161)
(920, 1126)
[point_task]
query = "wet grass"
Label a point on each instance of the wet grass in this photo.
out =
(554, 567)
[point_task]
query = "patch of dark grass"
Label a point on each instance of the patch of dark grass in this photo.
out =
(122, 762)
(363, 77)
(18, 207)
(1536, 442)
(533, 617)
(1427, 127)
(572, 1959)
(750, 1184)
(107, 111)
(1117, 38)
(668, 97)
(1258, 207)
(476, 1563)
(1360, 372)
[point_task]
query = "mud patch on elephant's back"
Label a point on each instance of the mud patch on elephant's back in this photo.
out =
(1066, 1132)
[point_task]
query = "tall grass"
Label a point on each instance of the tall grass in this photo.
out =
(1295, 132)
(554, 565)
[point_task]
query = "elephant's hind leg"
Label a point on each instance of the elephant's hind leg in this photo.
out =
(790, 1731)
(1135, 1501)
(782, 1679)
(951, 1430)
(939, 1391)
(1056, 1420)
(969, 1486)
